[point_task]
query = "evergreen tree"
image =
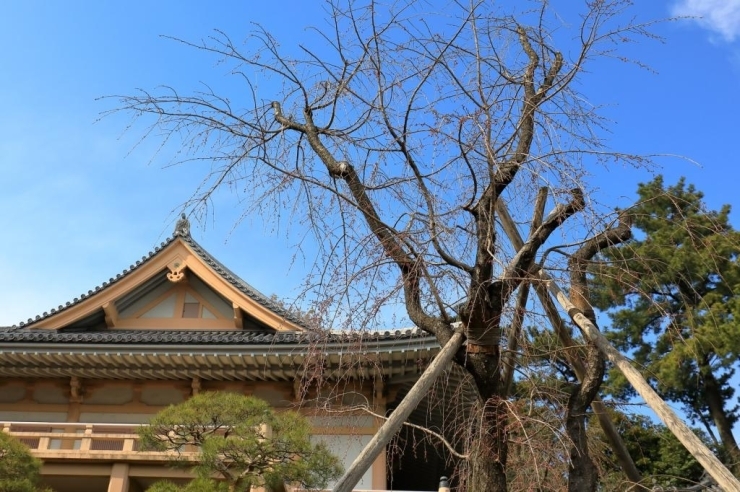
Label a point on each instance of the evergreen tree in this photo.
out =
(659, 456)
(672, 295)
(243, 441)
(19, 470)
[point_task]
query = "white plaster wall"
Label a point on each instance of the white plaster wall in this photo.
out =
(347, 448)
(219, 303)
(146, 299)
(33, 416)
(165, 309)
(115, 418)
(352, 421)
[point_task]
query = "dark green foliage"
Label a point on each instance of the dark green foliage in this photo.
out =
(19, 470)
(243, 441)
(197, 485)
(672, 299)
(658, 455)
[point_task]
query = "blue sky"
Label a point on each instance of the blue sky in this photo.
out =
(81, 201)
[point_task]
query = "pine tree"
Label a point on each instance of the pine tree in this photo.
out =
(672, 295)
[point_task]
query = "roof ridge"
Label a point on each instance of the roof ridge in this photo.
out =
(227, 274)
(240, 283)
(98, 288)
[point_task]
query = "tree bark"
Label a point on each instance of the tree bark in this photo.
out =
(489, 442)
(583, 475)
(489, 449)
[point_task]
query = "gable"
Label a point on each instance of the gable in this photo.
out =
(187, 304)
(180, 287)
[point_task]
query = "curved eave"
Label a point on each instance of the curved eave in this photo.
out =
(284, 362)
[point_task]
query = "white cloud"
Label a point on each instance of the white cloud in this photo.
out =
(719, 16)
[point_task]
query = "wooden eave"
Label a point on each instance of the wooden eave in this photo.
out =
(234, 363)
(178, 258)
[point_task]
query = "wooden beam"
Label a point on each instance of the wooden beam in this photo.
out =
(691, 442)
(111, 314)
(238, 317)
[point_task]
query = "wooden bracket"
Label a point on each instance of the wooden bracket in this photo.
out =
(111, 314)
(75, 389)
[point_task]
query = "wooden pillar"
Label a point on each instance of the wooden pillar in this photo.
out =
(379, 471)
(118, 478)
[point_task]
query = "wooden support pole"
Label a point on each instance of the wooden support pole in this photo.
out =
(683, 433)
(398, 417)
(615, 440)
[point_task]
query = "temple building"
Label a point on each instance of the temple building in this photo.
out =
(76, 381)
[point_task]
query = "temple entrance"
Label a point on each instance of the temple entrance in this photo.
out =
(416, 459)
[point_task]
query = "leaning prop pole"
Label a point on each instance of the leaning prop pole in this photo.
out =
(398, 417)
(551, 311)
(693, 444)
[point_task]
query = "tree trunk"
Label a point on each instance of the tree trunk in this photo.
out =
(713, 395)
(489, 449)
(583, 475)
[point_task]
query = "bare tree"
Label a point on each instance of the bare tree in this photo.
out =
(392, 141)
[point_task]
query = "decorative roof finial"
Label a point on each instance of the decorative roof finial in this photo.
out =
(182, 227)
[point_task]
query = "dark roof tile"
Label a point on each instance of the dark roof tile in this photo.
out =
(186, 337)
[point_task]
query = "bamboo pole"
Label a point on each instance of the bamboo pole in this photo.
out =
(389, 428)
(683, 433)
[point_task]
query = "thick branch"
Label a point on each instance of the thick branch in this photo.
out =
(484, 332)
(578, 262)
(387, 238)
(521, 264)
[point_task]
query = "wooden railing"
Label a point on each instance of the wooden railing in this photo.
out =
(79, 441)
(86, 441)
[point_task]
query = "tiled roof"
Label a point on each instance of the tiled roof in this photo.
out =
(214, 355)
(233, 337)
(212, 262)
